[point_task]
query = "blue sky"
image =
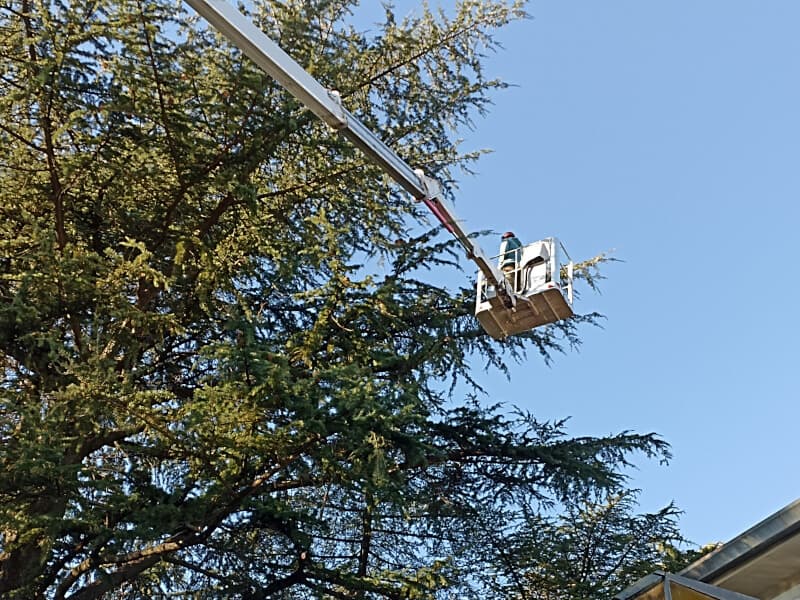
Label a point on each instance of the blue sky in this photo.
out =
(668, 132)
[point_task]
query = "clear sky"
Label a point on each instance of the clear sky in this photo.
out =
(668, 132)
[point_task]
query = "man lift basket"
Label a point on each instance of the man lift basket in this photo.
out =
(535, 274)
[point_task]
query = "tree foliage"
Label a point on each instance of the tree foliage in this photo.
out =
(588, 549)
(224, 372)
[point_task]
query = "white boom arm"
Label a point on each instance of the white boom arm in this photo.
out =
(328, 107)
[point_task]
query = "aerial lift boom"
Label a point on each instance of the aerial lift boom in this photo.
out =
(327, 105)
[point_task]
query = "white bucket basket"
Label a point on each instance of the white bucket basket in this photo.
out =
(541, 296)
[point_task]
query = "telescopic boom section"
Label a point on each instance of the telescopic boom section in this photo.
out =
(328, 106)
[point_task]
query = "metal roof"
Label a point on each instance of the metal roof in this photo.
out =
(763, 562)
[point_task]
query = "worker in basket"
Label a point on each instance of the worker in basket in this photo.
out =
(510, 255)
